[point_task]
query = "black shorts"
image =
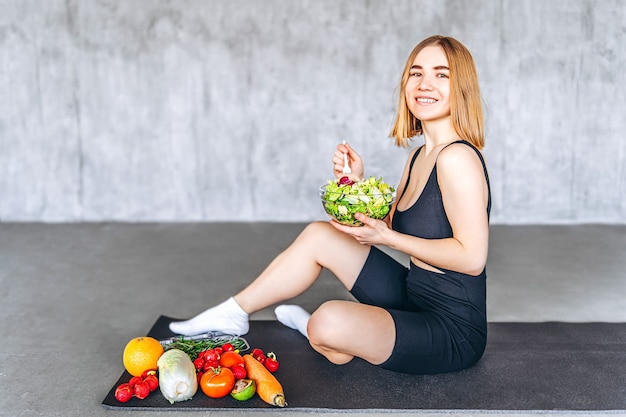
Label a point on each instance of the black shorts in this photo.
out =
(440, 318)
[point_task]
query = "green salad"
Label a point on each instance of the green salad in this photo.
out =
(343, 198)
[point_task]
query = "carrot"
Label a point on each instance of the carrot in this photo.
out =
(267, 386)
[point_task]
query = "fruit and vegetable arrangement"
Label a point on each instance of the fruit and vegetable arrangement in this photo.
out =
(215, 367)
(345, 197)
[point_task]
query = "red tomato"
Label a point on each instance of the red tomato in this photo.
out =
(152, 381)
(218, 383)
(271, 363)
(142, 390)
(230, 358)
(134, 381)
(199, 363)
(210, 364)
(227, 347)
(148, 373)
(258, 354)
(210, 355)
(124, 393)
(239, 371)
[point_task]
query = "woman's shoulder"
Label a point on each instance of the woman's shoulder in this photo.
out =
(459, 155)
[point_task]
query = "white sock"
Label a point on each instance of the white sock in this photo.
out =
(294, 317)
(227, 317)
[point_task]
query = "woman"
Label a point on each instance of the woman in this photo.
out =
(431, 317)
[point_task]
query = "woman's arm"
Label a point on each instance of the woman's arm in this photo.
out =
(464, 193)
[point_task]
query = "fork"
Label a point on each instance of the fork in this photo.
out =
(346, 168)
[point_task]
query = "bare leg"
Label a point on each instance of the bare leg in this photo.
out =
(296, 269)
(288, 275)
(341, 330)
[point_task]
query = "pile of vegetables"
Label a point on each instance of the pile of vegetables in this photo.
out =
(223, 370)
(214, 366)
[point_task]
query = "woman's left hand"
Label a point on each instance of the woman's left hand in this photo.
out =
(371, 233)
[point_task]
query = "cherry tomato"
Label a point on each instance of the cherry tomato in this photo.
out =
(134, 381)
(218, 383)
(148, 373)
(124, 393)
(210, 355)
(239, 371)
(210, 364)
(230, 358)
(199, 363)
(141, 390)
(218, 350)
(152, 381)
(227, 347)
(258, 354)
(270, 362)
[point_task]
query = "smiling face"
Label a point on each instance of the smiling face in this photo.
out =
(427, 90)
(439, 83)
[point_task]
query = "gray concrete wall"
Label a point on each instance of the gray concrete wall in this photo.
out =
(205, 110)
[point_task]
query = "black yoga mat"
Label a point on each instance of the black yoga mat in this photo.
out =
(526, 366)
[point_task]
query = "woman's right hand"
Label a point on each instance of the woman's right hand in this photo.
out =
(354, 160)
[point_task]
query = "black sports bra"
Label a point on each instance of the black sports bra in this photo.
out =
(427, 217)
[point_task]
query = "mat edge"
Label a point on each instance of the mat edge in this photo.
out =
(368, 410)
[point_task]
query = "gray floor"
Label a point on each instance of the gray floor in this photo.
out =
(73, 295)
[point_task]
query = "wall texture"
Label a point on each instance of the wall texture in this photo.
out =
(207, 110)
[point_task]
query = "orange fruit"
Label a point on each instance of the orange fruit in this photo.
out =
(141, 354)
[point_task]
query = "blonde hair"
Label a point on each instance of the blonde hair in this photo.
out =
(465, 102)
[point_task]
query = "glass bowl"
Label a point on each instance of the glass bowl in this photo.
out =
(342, 206)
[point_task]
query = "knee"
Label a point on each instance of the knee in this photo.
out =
(323, 327)
(325, 333)
(316, 230)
